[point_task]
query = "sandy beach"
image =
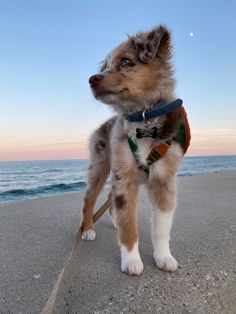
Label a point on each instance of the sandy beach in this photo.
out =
(37, 236)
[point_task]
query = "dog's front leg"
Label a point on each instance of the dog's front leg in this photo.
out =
(124, 192)
(98, 172)
(163, 198)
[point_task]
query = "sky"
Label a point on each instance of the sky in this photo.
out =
(49, 49)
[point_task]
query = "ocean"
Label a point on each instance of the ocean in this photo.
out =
(31, 179)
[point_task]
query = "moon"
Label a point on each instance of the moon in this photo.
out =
(191, 34)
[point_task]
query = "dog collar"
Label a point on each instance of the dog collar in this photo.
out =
(159, 109)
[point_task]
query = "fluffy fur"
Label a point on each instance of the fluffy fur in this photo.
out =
(134, 76)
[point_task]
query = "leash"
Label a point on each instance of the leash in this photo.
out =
(48, 309)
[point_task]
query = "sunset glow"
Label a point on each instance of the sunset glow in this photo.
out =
(50, 49)
(203, 143)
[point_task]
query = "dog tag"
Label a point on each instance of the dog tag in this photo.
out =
(140, 133)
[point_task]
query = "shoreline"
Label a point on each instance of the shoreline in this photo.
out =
(107, 187)
(37, 236)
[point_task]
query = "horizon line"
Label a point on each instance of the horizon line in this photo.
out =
(86, 159)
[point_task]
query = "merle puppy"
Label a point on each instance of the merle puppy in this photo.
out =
(135, 77)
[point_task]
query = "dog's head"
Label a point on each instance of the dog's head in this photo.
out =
(136, 73)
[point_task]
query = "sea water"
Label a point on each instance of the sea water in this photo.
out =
(31, 179)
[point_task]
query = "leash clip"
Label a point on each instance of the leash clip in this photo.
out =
(146, 121)
(143, 115)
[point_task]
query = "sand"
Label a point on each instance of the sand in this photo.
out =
(36, 237)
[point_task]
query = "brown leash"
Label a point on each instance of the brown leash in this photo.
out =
(48, 309)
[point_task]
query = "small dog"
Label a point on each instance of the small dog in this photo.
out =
(135, 77)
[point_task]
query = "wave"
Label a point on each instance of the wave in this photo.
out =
(48, 189)
(32, 171)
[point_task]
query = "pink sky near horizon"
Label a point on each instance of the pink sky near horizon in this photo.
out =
(77, 148)
(49, 136)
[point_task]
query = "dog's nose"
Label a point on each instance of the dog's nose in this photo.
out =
(93, 80)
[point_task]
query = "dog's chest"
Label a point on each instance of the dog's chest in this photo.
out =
(144, 148)
(145, 144)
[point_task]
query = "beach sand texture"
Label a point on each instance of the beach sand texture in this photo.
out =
(37, 236)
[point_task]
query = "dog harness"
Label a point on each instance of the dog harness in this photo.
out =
(181, 136)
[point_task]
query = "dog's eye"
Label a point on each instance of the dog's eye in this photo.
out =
(103, 68)
(125, 61)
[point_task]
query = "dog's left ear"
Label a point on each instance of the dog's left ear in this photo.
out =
(153, 44)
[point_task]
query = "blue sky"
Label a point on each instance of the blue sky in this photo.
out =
(50, 48)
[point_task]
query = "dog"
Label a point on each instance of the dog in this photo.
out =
(133, 78)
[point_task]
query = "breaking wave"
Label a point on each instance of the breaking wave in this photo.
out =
(52, 189)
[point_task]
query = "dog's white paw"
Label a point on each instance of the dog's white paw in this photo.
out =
(132, 267)
(89, 235)
(131, 262)
(167, 263)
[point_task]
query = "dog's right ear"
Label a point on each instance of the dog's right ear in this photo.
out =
(153, 44)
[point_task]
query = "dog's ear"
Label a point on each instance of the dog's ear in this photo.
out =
(153, 44)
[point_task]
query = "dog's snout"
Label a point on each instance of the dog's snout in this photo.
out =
(93, 80)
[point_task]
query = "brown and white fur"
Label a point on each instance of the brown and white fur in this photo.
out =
(134, 76)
